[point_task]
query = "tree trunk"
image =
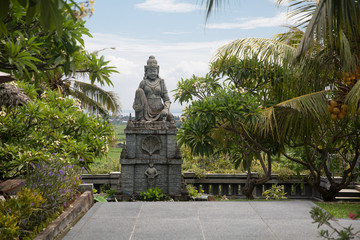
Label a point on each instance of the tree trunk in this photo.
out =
(248, 189)
(329, 195)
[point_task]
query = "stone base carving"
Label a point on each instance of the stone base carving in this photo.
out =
(151, 158)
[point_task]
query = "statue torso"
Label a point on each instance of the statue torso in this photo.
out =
(153, 92)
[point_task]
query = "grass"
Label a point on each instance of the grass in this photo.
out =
(339, 210)
(110, 163)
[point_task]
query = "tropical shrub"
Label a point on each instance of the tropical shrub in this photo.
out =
(49, 187)
(276, 192)
(56, 179)
(153, 194)
(52, 124)
(193, 192)
(322, 217)
(18, 216)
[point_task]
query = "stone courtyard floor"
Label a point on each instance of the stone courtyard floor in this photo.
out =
(201, 220)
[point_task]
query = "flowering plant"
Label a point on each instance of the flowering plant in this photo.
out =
(19, 215)
(31, 133)
(57, 179)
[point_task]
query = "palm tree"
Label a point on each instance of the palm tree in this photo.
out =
(93, 98)
(324, 65)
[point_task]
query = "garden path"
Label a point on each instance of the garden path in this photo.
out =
(200, 220)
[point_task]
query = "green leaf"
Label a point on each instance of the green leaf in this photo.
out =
(100, 199)
(4, 9)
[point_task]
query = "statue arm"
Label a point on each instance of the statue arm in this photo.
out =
(165, 95)
(142, 84)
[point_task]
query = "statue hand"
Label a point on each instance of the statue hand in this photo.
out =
(164, 113)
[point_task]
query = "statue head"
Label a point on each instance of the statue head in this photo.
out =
(151, 68)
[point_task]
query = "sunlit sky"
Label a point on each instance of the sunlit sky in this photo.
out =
(176, 33)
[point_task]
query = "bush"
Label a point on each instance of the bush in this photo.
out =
(275, 192)
(153, 194)
(53, 124)
(322, 217)
(57, 180)
(193, 192)
(49, 186)
(19, 215)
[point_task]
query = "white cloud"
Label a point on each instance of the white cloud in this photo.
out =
(122, 65)
(246, 23)
(176, 33)
(166, 6)
(176, 61)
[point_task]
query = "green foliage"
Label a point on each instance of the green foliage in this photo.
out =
(221, 111)
(340, 209)
(53, 124)
(49, 186)
(193, 192)
(275, 192)
(19, 216)
(254, 76)
(322, 217)
(153, 194)
(53, 59)
(100, 198)
(196, 88)
(284, 174)
(110, 162)
(57, 180)
(311, 64)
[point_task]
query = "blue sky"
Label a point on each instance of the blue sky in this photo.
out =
(176, 33)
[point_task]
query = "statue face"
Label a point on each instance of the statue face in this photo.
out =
(152, 73)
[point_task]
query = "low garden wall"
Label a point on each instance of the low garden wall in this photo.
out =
(217, 184)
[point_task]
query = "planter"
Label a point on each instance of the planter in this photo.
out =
(70, 215)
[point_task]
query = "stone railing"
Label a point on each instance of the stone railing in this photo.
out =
(232, 184)
(110, 180)
(216, 184)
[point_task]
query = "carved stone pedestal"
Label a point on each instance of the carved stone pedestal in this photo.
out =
(150, 158)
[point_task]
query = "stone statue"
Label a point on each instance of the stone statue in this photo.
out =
(151, 173)
(152, 102)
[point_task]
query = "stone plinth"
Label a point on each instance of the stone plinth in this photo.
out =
(150, 158)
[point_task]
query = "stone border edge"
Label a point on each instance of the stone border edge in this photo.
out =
(79, 207)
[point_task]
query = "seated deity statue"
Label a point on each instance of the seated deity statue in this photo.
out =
(152, 102)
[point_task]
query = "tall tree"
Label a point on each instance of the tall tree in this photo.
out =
(37, 51)
(321, 67)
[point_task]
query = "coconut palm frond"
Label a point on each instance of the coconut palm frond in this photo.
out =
(88, 103)
(210, 5)
(266, 50)
(109, 100)
(292, 37)
(336, 25)
(352, 99)
(294, 117)
(301, 12)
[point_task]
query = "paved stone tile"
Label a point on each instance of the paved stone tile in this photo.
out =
(167, 228)
(290, 209)
(227, 210)
(296, 229)
(280, 220)
(118, 209)
(169, 210)
(239, 229)
(103, 228)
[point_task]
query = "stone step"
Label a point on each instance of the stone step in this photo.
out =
(352, 195)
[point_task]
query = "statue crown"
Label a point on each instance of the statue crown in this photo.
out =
(151, 63)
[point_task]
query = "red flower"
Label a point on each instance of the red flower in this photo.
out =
(353, 216)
